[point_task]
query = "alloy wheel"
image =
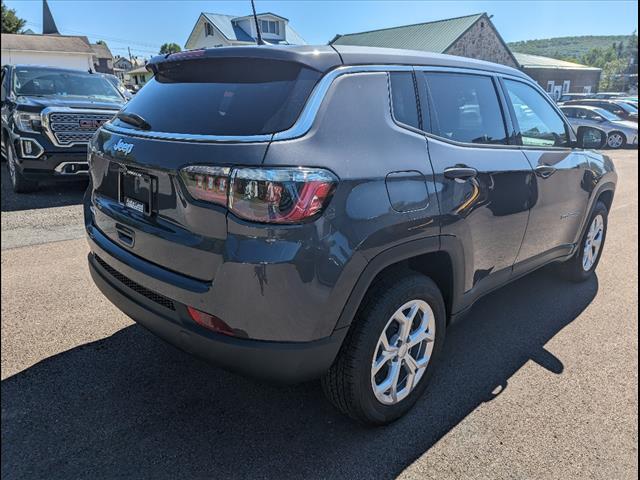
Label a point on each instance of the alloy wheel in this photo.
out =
(592, 243)
(615, 140)
(403, 352)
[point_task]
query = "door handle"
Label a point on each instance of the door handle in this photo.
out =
(460, 173)
(545, 171)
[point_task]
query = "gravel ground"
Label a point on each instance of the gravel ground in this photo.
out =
(540, 381)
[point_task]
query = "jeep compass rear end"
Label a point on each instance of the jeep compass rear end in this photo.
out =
(307, 212)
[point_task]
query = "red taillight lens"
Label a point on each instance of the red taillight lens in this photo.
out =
(210, 321)
(279, 195)
(267, 195)
(206, 183)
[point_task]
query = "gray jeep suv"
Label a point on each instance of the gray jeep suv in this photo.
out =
(319, 212)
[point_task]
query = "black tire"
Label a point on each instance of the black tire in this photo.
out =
(573, 269)
(18, 182)
(348, 383)
(621, 135)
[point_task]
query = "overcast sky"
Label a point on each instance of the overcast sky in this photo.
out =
(143, 25)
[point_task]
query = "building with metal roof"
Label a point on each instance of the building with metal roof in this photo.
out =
(559, 77)
(219, 30)
(472, 36)
(475, 36)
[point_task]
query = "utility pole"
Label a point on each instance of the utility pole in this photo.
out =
(130, 58)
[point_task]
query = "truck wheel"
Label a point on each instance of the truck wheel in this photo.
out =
(18, 182)
(582, 265)
(388, 355)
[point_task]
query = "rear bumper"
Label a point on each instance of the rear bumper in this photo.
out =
(288, 362)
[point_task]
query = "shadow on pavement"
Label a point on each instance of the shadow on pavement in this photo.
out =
(131, 406)
(48, 195)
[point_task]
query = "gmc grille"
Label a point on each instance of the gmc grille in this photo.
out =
(70, 128)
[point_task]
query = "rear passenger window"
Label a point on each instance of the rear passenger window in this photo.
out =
(540, 125)
(403, 94)
(465, 108)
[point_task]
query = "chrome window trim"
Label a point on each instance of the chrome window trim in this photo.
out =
(298, 129)
(309, 112)
(44, 118)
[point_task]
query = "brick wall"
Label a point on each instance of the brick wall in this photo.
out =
(481, 41)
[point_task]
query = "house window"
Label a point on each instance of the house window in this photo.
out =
(550, 85)
(586, 89)
(269, 26)
(208, 30)
(566, 86)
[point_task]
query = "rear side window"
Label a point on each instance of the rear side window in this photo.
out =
(403, 95)
(224, 97)
(465, 108)
(540, 125)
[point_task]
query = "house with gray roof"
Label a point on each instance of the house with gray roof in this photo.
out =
(472, 36)
(102, 58)
(218, 30)
(52, 50)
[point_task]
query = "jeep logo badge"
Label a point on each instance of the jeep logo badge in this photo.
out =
(123, 147)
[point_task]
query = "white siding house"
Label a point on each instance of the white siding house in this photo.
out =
(217, 30)
(51, 50)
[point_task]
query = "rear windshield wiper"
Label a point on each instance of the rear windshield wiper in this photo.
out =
(134, 119)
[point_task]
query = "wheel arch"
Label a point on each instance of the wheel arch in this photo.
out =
(439, 257)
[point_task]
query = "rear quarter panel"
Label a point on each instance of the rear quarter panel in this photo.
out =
(356, 138)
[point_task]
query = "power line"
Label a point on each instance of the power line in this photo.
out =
(103, 37)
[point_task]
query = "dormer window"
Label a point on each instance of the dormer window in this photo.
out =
(208, 30)
(270, 26)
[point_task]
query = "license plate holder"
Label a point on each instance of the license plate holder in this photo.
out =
(136, 191)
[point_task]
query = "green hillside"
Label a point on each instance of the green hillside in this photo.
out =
(567, 47)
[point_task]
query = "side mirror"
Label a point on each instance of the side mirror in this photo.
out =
(591, 138)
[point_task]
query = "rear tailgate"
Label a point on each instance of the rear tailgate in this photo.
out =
(183, 236)
(196, 111)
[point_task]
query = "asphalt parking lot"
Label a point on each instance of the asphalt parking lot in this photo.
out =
(540, 381)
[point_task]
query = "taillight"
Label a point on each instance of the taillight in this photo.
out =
(279, 195)
(266, 195)
(209, 321)
(209, 184)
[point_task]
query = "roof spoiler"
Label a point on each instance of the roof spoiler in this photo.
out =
(321, 58)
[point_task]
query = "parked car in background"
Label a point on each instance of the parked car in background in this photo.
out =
(633, 101)
(619, 132)
(115, 81)
(565, 97)
(305, 212)
(48, 117)
(621, 109)
(606, 95)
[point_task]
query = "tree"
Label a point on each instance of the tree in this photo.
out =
(101, 42)
(169, 48)
(11, 23)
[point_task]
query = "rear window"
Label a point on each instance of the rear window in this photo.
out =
(224, 97)
(403, 96)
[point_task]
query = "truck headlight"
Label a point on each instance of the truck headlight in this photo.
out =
(28, 122)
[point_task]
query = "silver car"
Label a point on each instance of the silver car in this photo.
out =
(619, 132)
